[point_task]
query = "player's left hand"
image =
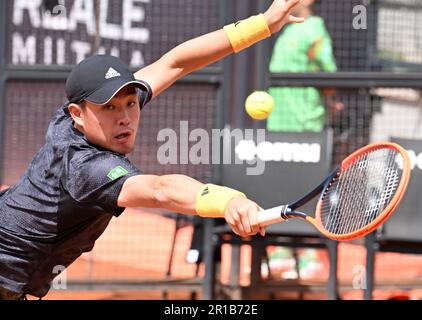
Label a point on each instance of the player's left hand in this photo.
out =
(278, 14)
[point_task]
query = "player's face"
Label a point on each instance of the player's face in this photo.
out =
(114, 125)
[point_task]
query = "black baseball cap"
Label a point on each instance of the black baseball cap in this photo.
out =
(98, 79)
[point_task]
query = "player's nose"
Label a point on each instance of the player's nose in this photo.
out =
(124, 118)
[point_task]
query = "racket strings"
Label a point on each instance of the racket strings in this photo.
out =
(361, 192)
(371, 204)
(377, 198)
(360, 212)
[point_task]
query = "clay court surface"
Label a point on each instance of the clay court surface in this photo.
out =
(137, 246)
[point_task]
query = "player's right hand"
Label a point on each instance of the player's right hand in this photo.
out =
(241, 214)
(278, 14)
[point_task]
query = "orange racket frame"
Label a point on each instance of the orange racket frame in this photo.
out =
(285, 212)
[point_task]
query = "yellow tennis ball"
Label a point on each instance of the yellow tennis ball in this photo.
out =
(259, 105)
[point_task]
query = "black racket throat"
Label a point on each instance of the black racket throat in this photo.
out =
(286, 213)
(294, 214)
(289, 211)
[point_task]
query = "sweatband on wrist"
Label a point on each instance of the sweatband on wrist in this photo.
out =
(245, 33)
(211, 200)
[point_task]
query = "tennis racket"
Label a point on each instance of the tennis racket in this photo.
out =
(357, 197)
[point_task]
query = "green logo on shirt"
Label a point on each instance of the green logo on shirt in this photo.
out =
(117, 172)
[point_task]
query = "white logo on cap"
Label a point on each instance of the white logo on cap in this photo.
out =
(111, 73)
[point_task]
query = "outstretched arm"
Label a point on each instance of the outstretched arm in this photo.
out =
(207, 49)
(183, 194)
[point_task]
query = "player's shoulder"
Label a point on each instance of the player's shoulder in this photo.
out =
(90, 164)
(60, 133)
(84, 154)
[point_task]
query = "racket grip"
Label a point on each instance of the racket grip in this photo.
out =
(271, 216)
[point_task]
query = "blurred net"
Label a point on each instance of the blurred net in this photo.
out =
(374, 35)
(138, 245)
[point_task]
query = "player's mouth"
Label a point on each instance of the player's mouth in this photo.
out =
(123, 137)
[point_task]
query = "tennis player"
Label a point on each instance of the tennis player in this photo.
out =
(81, 178)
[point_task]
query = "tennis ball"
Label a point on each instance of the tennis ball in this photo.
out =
(259, 105)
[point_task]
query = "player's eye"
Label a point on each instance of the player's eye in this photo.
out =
(132, 104)
(108, 107)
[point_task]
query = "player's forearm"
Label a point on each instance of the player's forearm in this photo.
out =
(185, 58)
(177, 193)
(209, 48)
(182, 194)
(171, 192)
(193, 55)
(199, 52)
(204, 50)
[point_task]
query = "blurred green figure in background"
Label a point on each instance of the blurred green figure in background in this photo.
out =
(305, 47)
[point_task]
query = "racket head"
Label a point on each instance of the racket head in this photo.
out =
(368, 187)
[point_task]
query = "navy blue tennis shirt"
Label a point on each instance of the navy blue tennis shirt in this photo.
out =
(60, 207)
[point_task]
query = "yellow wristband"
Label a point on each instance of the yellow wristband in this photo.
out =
(211, 200)
(245, 33)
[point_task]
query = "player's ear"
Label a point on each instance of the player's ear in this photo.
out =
(75, 111)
